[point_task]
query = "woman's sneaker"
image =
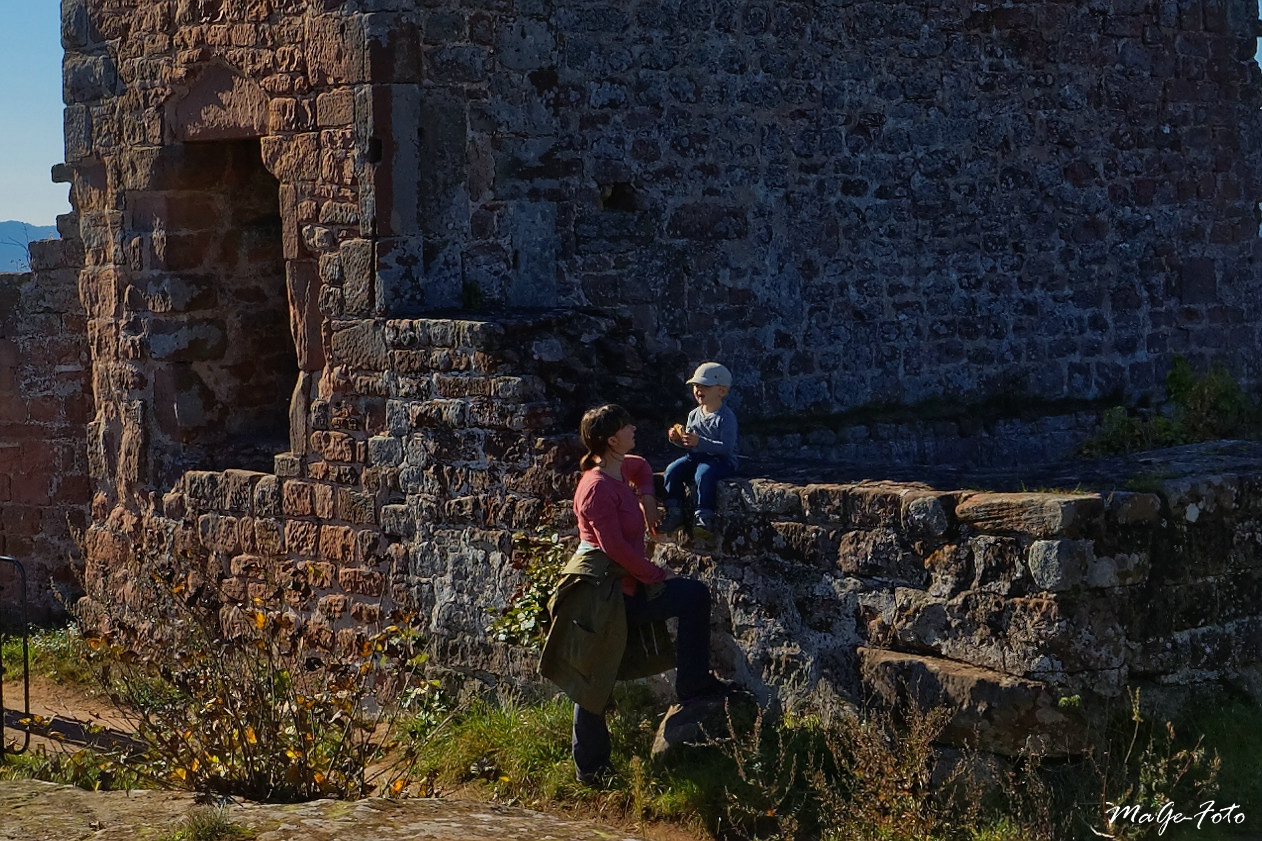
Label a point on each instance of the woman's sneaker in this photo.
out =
(711, 687)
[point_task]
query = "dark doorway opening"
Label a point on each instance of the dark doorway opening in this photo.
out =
(213, 302)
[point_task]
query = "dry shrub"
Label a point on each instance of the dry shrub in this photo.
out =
(236, 701)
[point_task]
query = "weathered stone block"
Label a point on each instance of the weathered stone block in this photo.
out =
(1133, 509)
(1122, 569)
(926, 516)
(306, 322)
(999, 565)
(362, 346)
(269, 537)
(355, 507)
(362, 582)
(236, 488)
(219, 533)
(335, 108)
(770, 498)
(1038, 515)
(302, 537)
(880, 553)
(297, 499)
(397, 521)
(1193, 499)
(1060, 564)
(991, 711)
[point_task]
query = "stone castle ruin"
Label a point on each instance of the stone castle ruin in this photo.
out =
(341, 277)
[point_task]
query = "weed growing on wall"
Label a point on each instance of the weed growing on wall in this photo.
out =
(1201, 408)
(539, 557)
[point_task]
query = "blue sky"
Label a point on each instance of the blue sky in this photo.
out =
(30, 111)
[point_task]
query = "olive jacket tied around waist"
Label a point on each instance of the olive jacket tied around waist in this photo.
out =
(590, 645)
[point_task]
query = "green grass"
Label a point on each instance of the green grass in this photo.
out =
(59, 654)
(865, 777)
(208, 823)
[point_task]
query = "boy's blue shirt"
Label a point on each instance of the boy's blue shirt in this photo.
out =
(717, 432)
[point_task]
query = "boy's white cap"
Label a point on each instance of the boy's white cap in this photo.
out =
(711, 373)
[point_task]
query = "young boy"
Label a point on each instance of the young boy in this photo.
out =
(710, 438)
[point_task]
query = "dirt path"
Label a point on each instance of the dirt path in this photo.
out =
(69, 709)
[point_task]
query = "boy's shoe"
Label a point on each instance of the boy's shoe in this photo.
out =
(703, 525)
(673, 521)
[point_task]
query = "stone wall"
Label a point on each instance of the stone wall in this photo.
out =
(352, 271)
(45, 401)
(859, 203)
(998, 603)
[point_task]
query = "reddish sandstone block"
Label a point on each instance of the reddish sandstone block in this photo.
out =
(245, 533)
(324, 507)
(335, 108)
(31, 489)
(247, 565)
(334, 446)
(366, 612)
(237, 490)
(234, 589)
(219, 533)
(361, 582)
(334, 606)
(356, 507)
(21, 520)
(320, 574)
(321, 635)
(337, 543)
(301, 537)
(269, 537)
(298, 499)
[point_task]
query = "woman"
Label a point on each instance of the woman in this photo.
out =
(587, 646)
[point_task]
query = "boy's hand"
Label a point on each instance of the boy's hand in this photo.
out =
(691, 439)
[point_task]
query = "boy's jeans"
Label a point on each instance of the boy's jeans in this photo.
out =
(703, 470)
(689, 601)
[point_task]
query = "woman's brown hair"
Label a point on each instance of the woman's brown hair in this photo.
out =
(595, 430)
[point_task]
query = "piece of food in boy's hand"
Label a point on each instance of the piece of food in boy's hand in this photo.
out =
(678, 429)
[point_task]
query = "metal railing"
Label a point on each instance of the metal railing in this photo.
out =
(15, 618)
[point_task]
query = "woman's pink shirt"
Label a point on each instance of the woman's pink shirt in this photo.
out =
(609, 516)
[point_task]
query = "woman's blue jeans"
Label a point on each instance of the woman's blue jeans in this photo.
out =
(689, 601)
(704, 471)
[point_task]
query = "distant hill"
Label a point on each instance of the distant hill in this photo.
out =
(13, 239)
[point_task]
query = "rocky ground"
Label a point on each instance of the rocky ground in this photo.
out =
(37, 811)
